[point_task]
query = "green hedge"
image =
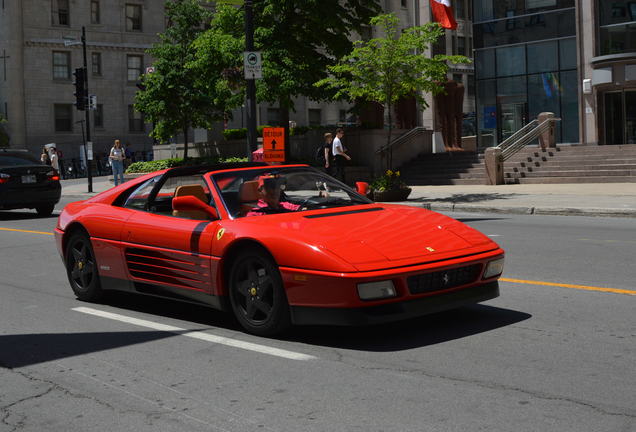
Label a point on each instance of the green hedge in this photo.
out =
(156, 165)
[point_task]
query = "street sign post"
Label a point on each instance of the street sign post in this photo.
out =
(274, 144)
(253, 65)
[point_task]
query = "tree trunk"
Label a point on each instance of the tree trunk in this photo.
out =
(185, 141)
(284, 119)
(388, 139)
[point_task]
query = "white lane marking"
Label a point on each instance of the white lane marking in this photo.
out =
(494, 235)
(197, 335)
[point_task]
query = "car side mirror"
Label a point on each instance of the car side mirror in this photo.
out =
(190, 203)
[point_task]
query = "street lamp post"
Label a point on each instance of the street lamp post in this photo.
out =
(89, 152)
(251, 83)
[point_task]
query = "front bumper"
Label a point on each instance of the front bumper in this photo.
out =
(396, 311)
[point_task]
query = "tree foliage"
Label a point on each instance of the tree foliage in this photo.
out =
(298, 39)
(171, 97)
(388, 68)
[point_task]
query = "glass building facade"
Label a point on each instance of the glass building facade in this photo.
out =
(525, 63)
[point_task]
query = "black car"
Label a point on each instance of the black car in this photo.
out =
(25, 182)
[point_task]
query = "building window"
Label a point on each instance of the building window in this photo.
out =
(60, 12)
(461, 45)
(273, 116)
(315, 117)
(98, 116)
(63, 117)
(95, 18)
(135, 120)
(458, 78)
(403, 3)
(61, 65)
(134, 63)
(133, 17)
(460, 11)
(96, 63)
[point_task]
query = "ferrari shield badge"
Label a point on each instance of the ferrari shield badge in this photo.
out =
(219, 233)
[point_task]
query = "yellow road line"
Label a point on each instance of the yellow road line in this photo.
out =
(562, 285)
(26, 231)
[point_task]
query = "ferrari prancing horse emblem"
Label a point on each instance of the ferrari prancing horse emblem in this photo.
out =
(220, 233)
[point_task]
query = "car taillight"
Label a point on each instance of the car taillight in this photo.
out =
(53, 175)
(4, 178)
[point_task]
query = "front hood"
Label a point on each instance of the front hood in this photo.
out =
(383, 235)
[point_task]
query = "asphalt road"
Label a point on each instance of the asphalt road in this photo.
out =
(556, 352)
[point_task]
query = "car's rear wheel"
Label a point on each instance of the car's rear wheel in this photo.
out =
(81, 268)
(257, 295)
(45, 209)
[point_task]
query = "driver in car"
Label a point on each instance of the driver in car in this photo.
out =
(272, 197)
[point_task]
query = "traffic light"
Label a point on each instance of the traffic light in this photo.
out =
(80, 88)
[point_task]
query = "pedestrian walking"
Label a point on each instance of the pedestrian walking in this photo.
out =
(116, 158)
(340, 155)
(327, 152)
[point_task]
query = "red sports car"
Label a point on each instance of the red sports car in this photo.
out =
(275, 245)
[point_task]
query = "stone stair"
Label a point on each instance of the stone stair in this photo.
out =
(564, 164)
(573, 164)
(445, 169)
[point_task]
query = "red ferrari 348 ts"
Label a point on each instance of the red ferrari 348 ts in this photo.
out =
(275, 245)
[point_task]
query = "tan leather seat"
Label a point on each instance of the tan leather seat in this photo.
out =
(248, 196)
(197, 191)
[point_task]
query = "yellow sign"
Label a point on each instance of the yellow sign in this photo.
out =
(274, 144)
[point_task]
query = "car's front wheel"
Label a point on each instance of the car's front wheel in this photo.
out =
(257, 295)
(81, 268)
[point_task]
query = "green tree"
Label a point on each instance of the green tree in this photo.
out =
(388, 68)
(171, 97)
(298, 40)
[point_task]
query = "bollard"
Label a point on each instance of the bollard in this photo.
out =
(493, 160)
(547, 138)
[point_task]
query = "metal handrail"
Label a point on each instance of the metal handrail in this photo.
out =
(401, 138)
(519, 140)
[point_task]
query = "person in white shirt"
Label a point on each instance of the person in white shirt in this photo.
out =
(117, 157)
(55, 163)
(339, 155)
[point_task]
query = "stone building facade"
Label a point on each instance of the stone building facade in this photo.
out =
(36, 85)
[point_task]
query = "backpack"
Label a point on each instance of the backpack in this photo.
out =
(320, 155)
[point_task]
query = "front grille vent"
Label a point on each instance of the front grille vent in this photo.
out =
(443, 280)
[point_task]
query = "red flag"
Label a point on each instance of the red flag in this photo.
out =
(443, 13)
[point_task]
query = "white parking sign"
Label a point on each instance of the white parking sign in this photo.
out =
(252, 65)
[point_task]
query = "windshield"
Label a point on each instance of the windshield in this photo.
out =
(272, 190)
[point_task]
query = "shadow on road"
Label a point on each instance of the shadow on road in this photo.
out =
(23, 215)
(28, 349)
(416, 333)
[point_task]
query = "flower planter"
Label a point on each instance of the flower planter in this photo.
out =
(392, 194)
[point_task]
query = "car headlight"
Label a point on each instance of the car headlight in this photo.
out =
(376, 290)
(494, 268)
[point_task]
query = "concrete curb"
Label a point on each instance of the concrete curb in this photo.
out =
(546, 211)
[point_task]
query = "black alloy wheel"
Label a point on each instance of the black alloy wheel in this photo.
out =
(81, 268)
(257, 295)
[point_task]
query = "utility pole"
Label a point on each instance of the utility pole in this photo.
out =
(89, 145)
(251, 83)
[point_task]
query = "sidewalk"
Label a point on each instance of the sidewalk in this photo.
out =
(581, 199)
